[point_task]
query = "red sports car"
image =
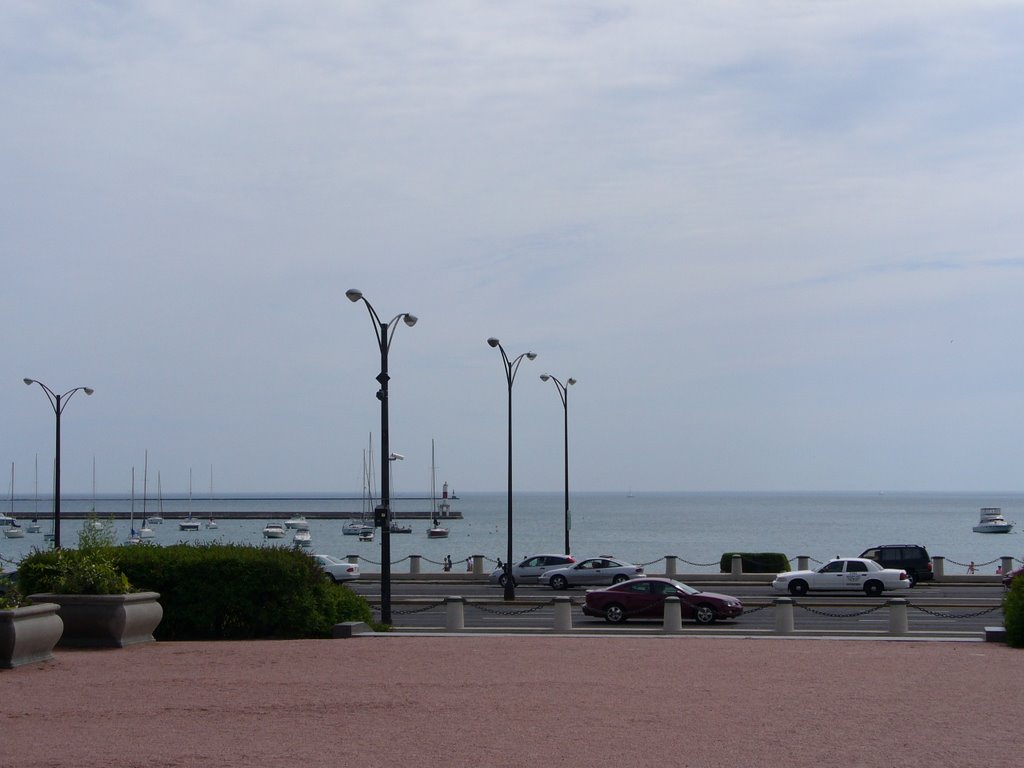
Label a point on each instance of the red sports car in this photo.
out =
(644, 598)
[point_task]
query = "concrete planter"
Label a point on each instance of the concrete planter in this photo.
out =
(28, 634)
(106, 621)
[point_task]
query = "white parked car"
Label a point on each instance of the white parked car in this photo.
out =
(338, 570)
(843, 573)
(529, 568)
(594, 571)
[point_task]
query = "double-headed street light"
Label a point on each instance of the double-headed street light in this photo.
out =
(58, 403)
(511, 367)
(382, 514)
(563, 393)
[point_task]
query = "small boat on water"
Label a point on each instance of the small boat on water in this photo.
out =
(992, 521)
(12, 529)
(397, 528)
(356, 528)
(302, 538)
(273, 531)
(366, 535)
(188, 524)
(211, 524)
(437, 531)
(297, 522)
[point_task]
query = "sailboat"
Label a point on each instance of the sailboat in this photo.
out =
(34, 526)
(145, 532)
(211, 524)
(361, 527)
(436, 531)
(12, 530)
(133, 535)
(156, 519)
(188, 524)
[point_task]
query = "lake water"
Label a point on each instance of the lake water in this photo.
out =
(696, 527)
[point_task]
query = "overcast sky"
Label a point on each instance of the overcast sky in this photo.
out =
(777, 243)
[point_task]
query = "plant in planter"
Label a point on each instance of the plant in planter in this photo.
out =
(28, 632)
(97, 604)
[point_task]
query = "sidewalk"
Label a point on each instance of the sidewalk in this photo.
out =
(487, 701)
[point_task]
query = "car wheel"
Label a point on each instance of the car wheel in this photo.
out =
(704, 614)
(873, 588)
(912, 577)
(615, 614)
(503, 578)
(798, 588)
(559, 582)
(620, 578)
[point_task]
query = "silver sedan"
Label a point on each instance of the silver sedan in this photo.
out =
(590, 572)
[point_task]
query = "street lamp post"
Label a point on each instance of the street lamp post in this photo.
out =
(511, 367)
(382, 514)
(563, 393)
(58, 403)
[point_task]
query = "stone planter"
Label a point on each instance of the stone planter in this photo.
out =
(28, 634)
(106, 621)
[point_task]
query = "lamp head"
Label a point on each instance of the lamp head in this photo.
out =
(493, 341)
(354, 294)
(531, 355)
(571, 381)
(397, 456)
(88, 390)
(30, 382)
(409, 320)
(544, 377)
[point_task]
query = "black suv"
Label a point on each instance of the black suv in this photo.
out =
(911, 558)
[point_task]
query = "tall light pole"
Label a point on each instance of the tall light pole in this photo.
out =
(58, 403)
(511, 368)
(563, 393)
(382, 514)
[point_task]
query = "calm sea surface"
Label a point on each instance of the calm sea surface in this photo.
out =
(696, 527)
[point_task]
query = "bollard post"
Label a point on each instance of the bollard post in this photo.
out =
(737, 565)
(784, 615)
(563, 613)
(938, 567)
(352, 559)
(478, 565)
(414, 564)
(898, 616)
(670, 566)
(455, 620)
(1007, 565)
(673, 621)
(803, 562)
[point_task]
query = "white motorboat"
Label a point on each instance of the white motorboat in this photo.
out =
(188, 524)
(399, 528)
(297, 522)
(273, 531)
(356, 528)
(211, 524)
(366, 535)
(302, 538)
(6, 520)
(992, 521)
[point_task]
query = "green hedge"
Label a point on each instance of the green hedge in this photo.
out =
(1013, 613)
(232, 592)
(756, 562)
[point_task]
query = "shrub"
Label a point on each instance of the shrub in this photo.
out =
(1013, 613)
(756, 562)
(90, 571)
(230, 591)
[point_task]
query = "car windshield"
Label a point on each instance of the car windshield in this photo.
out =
(685, 588)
